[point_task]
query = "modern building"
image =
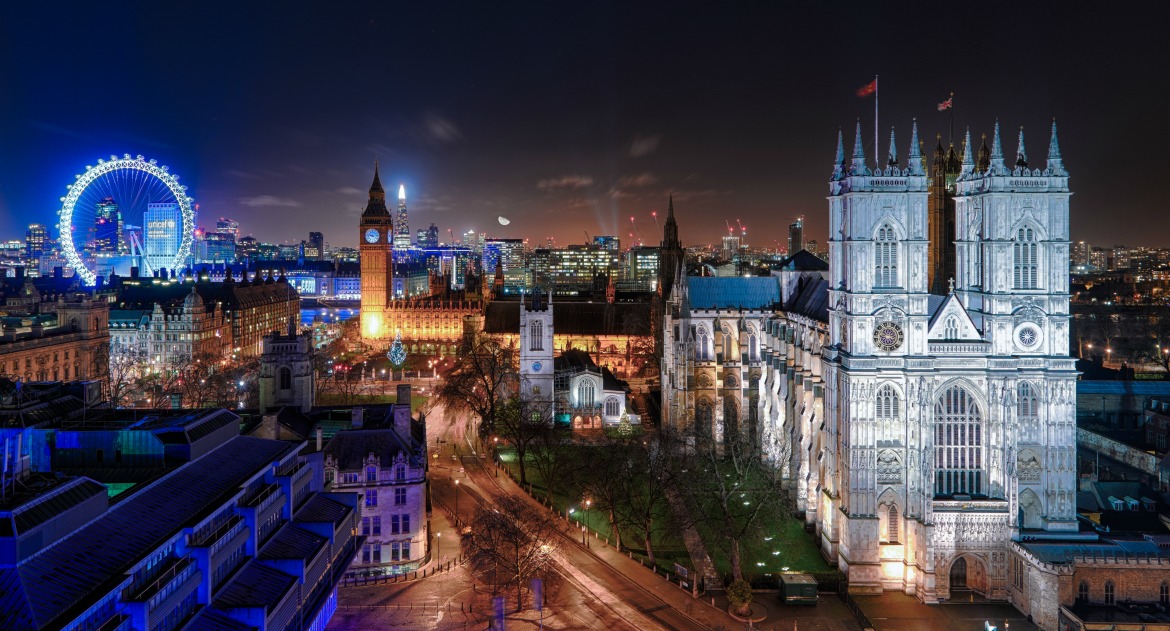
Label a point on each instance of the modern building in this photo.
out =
(315, 246)
(108, 228)
(642, 269)
(215, 248)
(384, 460)
(401, 222)
(796, 236)
(245, 538)
(37, 242)
(575, 270)
(607, 242)
(163, 227)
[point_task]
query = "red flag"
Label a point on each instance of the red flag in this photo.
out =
(869, 89)
(947, 104)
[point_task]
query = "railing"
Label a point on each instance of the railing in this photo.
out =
(854, 608)
(264, 498)
(144, 592)
(215, 535)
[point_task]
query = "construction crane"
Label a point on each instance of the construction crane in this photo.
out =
(634, 226)
(730, 230)
(654, 214)
(742, 229)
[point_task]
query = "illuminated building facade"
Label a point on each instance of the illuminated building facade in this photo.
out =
(575, 270)
(401, 222)
(385, 462)
(162, 226)
(642, 268)
(376, 234)
(71, 346)
(37, 242)
(108, 227)
(928, 438)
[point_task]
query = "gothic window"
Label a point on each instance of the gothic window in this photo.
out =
(1024, 259)
(893, 533)
(958, 440)
(1164, 594)
(1083, 592)
(885, 257)
(753, 348)
(1110, 597)
(727, 348)
(951, 330)
(1028, 412)
(612, 408)
(585, 393)
(536, 335)
(371, 474)
(702, 349)
(285, 378)
(704, 414)
(889, 408)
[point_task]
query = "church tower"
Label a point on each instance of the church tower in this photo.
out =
(536, 350)
(943, 174)
(377, 265)
(950, 415)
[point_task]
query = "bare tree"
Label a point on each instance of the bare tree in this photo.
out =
(118, 370)
(605, 488)
(481, 379)
(555, 458)
(732, 491)
(346, 383)
(511, 543)
(645, 482)
(521, 423)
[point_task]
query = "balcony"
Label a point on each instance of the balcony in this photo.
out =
(165, 583)
(210, 538)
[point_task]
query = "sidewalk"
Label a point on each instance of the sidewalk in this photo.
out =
(829, 615)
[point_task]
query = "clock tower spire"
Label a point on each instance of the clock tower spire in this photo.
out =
(376, 241)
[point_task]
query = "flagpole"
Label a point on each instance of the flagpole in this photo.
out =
(951, 133)
(876, 159)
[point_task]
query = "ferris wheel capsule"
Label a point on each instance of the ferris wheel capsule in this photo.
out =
(138, 157)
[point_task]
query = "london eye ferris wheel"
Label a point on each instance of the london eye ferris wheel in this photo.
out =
(125, 212)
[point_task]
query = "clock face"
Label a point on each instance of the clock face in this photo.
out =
(372, 235)
(536, 366)
(887, 336)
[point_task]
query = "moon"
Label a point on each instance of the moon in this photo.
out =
(504, 221)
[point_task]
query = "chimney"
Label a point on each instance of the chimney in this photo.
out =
(9, 333)
(38, 329)
(402, 411)
(20, 273)
(134, 272)
(320, 438)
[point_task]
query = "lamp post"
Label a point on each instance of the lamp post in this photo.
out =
(456, 503)
(438, 544)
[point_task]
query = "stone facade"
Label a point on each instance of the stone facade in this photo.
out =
(72, 347)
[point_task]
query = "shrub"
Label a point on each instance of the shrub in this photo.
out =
(740, 595)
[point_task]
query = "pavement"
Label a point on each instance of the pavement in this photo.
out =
(895, 611)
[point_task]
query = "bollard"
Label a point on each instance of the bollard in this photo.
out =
(712, 601)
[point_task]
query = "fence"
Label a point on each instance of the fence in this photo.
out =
(404, 577)
(854, 608)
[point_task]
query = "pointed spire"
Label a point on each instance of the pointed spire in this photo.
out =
(839, 161)
(858, 167)
(377, 202)
(670, 205)
(401, 192)
(968, 163)
(892, 160)
(917, 162)
(983, 158)
(376, 185)
(1055, 163)
(1021, 154)
(997, 166)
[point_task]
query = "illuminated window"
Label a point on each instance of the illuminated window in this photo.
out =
(536, 333)
(1028, 412)
(1110, 598)
(612, 408)
(585, 393)
(958, 440)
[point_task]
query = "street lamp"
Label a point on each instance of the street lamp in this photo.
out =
(438, 544)
(456, 502)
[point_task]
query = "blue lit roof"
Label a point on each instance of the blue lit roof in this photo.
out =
(61, 581)
(255, 586)
(733, 292)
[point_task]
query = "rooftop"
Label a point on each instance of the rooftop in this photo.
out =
(79, 569)
(255, 586)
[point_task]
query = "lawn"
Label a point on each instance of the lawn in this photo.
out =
(780, 544)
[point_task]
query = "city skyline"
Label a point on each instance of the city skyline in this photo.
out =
(561, 120)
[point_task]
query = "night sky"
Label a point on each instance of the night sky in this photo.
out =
(567, 119)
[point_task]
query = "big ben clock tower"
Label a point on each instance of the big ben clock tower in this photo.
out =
(376, 239)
